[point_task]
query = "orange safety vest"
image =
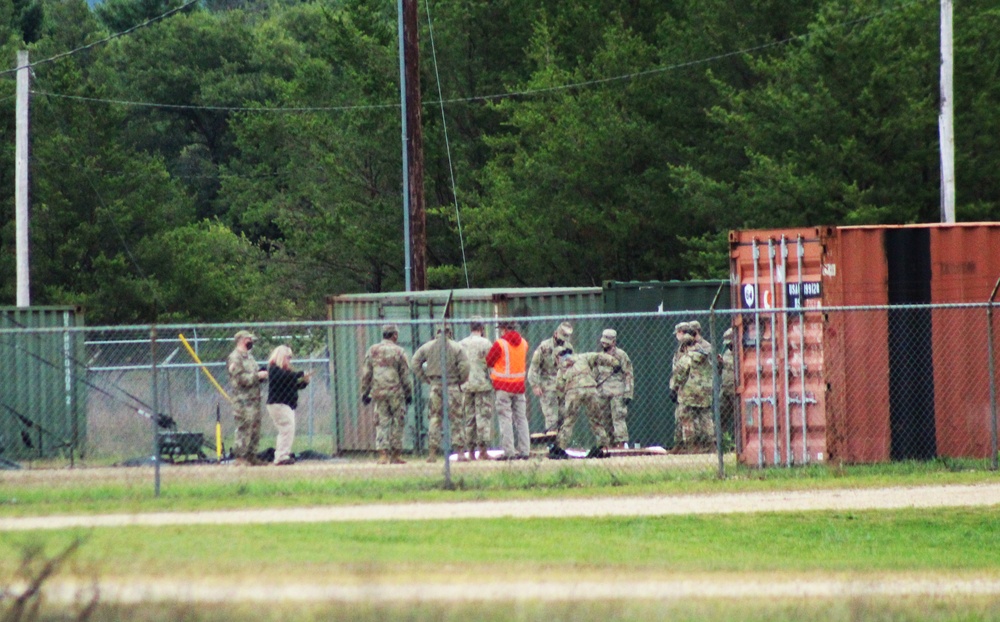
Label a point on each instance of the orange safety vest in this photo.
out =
(510, 369)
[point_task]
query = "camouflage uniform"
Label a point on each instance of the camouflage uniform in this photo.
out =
(245, 392)
(477, 393)
(543, 370)
(385, 378)
(426, 366)
(615, 389)
(704, 344)
(576, 387)
(727, 373)
(692, 380)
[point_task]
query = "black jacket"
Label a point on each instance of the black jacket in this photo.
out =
(283, 386)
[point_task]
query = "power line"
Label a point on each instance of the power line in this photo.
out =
(52, 59)
(497, 96)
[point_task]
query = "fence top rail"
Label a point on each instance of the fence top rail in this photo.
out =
(167, 332)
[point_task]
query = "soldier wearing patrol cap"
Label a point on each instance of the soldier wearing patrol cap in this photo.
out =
(426, 365)
(615, 388)
(477, 393)
(245, 378)
(386, 381)
(543, 371)
(691, 390)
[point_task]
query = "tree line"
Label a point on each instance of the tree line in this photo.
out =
(240, 159)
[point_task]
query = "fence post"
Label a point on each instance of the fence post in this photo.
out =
(156, 409)
(993, 384)
(716, 386)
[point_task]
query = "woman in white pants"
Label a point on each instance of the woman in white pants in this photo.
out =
(283, 388)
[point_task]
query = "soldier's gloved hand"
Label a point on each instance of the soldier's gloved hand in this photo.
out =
(409, 400)
(366, 399)
(616, 369)
(673, 395)
(626, 400)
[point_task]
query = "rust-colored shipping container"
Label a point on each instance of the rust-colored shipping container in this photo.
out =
(871, 385)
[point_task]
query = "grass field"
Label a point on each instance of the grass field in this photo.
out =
(871, 546)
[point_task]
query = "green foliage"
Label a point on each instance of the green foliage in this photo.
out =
(632, 138)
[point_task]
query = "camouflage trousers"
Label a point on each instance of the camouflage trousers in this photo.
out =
(478, 417)
(615, 413)
(590, 402)
(247, 413)
(694, 428)
(549, 402)
(435, 415)
(390, 418)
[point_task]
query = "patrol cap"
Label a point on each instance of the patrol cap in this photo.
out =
(695, 325)
(727, 336)
(680, 326)
(241, 334)
(564, 331)
(388, 329)
(609, 335)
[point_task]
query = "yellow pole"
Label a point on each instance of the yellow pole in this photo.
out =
(203, 368)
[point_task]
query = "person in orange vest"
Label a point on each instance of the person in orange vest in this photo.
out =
(507, 360)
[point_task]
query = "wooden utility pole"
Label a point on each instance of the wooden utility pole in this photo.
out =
(946, 120)
(21, 180)
(415, 146)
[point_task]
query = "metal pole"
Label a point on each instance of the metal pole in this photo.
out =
(785, 351)
(993, 384)
(946, 119)
(774, 355)
(802, 354)
(156, 410)
(21, 181)
(197, 377)
(756, 316)
(407, 271)
(716, 386)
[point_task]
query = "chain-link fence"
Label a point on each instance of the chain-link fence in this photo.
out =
(813, 386)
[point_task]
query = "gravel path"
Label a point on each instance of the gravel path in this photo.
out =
(783, 501)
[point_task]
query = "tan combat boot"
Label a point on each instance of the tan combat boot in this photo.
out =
(483, 455)
(394, 457)
(383, 457)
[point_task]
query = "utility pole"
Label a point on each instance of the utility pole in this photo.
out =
(415, 146)
(21, 180)
(946, 120)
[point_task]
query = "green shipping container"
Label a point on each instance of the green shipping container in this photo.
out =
(354, 426)
(651, 414)
(43, 394)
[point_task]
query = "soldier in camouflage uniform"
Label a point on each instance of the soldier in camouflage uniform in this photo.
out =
(576, 387)
(245, 378)
(426, 366)
(615, 389)
(477, 392)
(727, 394)
(691, 390)
(385, 380)
(543, 370)
(679, 329)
